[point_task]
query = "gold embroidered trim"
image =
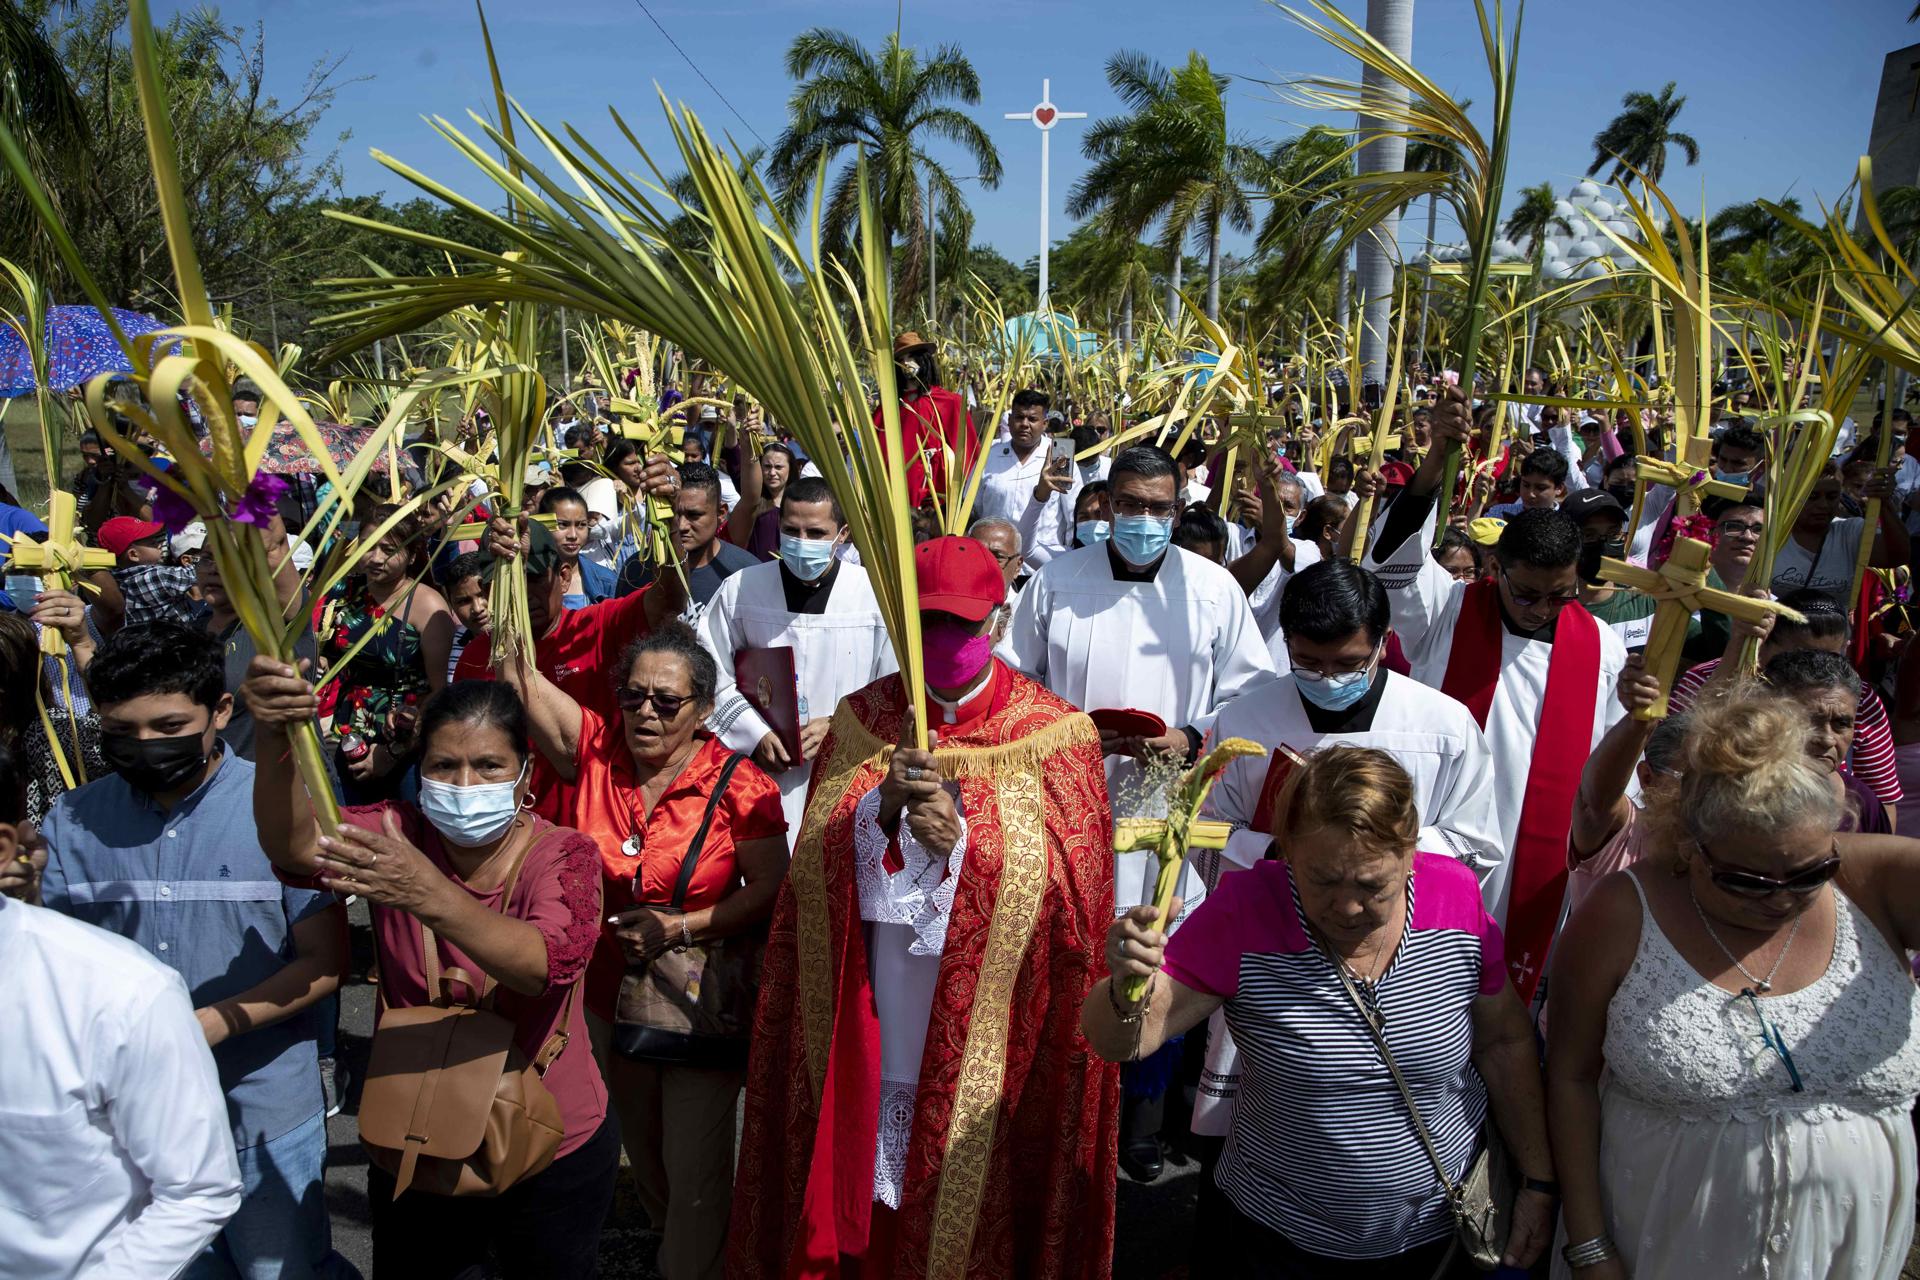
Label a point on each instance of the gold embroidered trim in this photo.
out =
(983, 1064)
(1027, 752)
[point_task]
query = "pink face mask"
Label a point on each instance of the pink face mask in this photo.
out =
(952, 657)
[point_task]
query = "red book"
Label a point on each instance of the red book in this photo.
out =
(1285, 760)
(765, 678)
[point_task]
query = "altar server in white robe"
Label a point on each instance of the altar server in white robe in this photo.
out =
(1532, 666)
(1135, 623)
(1334, 617)
(819, 605)
(1024, 485)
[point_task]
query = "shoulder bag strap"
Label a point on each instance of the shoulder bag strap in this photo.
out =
(1393, 1068)
(699, 840)
(430, 945)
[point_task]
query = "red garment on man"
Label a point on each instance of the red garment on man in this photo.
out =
(577, 653)
(1010, 1170)
(926, 422)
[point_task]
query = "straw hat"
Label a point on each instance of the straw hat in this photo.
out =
(910, 343)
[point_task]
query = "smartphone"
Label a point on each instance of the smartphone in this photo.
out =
(1060, 452)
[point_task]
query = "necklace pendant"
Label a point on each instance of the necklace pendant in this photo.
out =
(1763, 987)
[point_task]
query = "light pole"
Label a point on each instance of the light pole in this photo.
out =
(933, 250)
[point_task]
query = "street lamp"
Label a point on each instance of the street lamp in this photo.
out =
(933, 251)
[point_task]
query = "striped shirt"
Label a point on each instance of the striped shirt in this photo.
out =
(1321, 1148)
(1871, 759)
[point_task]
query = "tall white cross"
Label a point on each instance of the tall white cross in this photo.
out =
(1044, 116)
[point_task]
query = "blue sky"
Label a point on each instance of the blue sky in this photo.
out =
(1780, 92)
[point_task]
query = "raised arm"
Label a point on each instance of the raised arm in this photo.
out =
(1600, 808)
(282, 810)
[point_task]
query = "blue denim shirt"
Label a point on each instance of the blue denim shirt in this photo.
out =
(195, 889)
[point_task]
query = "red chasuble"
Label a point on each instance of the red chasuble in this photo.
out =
(1562, 741)
(1010, 1170)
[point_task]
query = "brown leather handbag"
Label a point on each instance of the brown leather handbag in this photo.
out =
(451, 1106)
(692, 1006)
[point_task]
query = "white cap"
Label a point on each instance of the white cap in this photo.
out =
(601, 497)
(191, 538)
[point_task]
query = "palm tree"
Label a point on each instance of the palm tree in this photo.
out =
(40, 108)
(1534, 219)
(1428, 154)
(1391, 23)
(891, 105)
(1171, 160)
(1640, 135)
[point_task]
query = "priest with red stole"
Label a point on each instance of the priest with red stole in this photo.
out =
(1535, 668)
(935, 428)
(920, 1099)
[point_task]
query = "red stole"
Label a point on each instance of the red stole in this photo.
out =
(1562, 741)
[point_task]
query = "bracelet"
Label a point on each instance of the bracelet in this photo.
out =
(1139, 1010)
(1589, 1253)
(1545, 1186)
(686, 936)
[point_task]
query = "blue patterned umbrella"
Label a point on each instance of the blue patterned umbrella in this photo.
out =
(79, 347)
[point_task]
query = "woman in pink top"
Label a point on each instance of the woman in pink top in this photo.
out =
(448, 863)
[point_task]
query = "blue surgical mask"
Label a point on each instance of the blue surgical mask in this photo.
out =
(1733, 477)
(574, 600)
(1091, 532)
(1336, 692)
(806, 558)
(1141, 540)
(247, 419)
(470, 816)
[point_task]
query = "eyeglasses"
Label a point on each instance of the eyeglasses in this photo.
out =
(1770, 1036)
(1751, 884)
(1005, 558)
(1739, 528)
(1133, 507)
(1313, 675)
(667, 704)
(1522, 600)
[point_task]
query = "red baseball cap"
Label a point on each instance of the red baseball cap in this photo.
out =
(1396, 473)
(958, 576)
(121, 532)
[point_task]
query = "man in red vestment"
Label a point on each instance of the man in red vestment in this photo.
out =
(920, 1100)
(934, 423)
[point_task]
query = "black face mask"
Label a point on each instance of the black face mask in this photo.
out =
(1622, 494)
(154, 764)
(1591, 553)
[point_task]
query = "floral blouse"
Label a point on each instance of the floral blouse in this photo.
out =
(389, 673)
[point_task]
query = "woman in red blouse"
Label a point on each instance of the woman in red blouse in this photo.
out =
(641, 788)
(447, 863)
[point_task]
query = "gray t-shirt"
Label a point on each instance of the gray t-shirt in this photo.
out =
(239, 650)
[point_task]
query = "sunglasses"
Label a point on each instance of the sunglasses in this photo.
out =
(1770, 1036)
(1751, 884)
(1522, 600)
(667, 704)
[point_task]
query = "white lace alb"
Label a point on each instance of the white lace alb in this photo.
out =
(906, 912)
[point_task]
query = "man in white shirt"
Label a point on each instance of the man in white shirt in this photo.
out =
(1024, 485)
(1265, 567)
(820, 606)
(1136, 623)
(116, 1158)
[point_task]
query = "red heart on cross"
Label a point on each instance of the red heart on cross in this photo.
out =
(1044, 115)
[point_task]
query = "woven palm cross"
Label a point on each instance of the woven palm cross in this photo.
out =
(56, 558)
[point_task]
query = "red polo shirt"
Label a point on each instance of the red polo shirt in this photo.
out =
(607, 806)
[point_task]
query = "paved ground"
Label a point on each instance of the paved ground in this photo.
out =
(1152, 1227)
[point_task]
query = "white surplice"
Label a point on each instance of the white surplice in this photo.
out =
(1431, 735)
(1426, 609)
(835, 653)
(1178, 646)
(1006, 493)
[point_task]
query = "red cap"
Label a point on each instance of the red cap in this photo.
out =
(958, 576)
(121, 532)
(1396, 473)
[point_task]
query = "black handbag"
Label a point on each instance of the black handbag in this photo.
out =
(692, 1006)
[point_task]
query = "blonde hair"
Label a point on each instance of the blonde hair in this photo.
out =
(1357, 790)
(1744, 767)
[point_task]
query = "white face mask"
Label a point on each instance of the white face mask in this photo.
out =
(470, 816)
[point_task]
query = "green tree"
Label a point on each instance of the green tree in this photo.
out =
(1171, 159)
(893, 106)
(1429, 154)
(246, 160)
(39, 107)
(1009, 285)
(1640, 135)
(1534, 218)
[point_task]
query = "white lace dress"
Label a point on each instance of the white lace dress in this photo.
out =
(1711, 1167)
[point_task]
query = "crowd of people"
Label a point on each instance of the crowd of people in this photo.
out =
(1510, 955)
